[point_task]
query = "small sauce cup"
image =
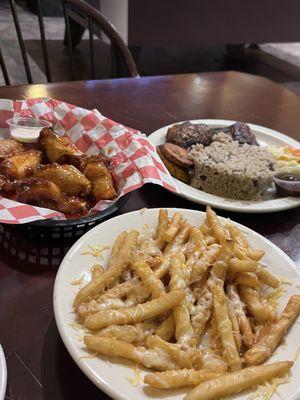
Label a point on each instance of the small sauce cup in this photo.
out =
(26, 130)
(288, 183)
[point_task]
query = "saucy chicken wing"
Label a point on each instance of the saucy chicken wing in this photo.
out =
(67, 177)
(43, 193)
(58, 149)
(98, 174)
(10, 147)
(21, 165)
(6, 185)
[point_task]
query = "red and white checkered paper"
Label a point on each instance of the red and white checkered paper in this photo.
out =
(134, 159)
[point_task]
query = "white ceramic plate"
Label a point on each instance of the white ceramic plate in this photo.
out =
(3, 374)
(265, 137)
(112, 376)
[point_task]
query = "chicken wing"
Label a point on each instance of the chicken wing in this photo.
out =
(67, 177)
(43, 193)
(10, 147)
(21, 165)
(6, 185)
(58, 149)
(98, 174)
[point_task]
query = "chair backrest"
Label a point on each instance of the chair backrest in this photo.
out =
(90, 18)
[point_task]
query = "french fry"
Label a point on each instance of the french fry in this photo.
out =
(211, 360)
(174, 225)
(162, 225)
(175, 246)
(237, 265)
(92, 307)
(260, 310)
(166, 329)
(272, 336)
(256, 255)
(267, 278)
(109, 277)
(244, 324)
(237, 236)
(239, 381)
(247, 279)
(135, 314)
(179, 378)
(184, 359)
(97, 270)
(152, 283)
(140, 355)
(201, 265)
(235, 325)
(196, 244)
(215, 225)
(118, 243)
(230, 351)
(184, 332)
(127, 333)
(202, 311)
(209, 240)
(204, 228)
(242, 242)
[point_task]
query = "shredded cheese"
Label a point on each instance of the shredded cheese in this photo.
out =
(266, 391)
(93, 355)
(297, 355)
(76, 326)
(285, 281)
(275, 295)
(77, 281)
(96, 251)
(135, 380)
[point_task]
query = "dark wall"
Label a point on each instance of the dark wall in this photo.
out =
(213, 22)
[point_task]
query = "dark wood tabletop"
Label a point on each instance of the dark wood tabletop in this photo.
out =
(39, 366)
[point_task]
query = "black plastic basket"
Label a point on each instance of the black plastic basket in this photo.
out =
(71, 229)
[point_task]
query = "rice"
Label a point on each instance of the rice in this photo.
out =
(226, 168)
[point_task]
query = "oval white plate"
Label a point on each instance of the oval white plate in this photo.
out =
(265, 137)
(3, 374)
(111, 376)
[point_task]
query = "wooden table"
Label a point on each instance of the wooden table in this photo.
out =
(39, 366)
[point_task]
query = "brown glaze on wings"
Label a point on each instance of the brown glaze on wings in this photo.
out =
(69, 179)
(10, 147)
(21, 165)
(97, 173)
(43, 193)
(58, 149)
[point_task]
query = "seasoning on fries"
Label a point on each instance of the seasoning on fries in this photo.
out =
(189, 302)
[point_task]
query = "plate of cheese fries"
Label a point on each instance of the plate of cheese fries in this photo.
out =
(231, 165)
(181, 304)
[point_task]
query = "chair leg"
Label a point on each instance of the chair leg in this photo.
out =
(77, 32)
(136, 52)
(118, 67)
(4, 70)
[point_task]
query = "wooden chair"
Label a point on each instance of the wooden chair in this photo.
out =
(89, 17)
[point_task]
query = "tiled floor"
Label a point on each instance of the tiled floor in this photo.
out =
(278, 62)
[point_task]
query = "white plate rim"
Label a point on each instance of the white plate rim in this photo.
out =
(86, 369)
(3, 373)
(196, 195)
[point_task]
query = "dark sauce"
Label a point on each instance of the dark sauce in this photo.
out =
(289, 177)
(288, 184)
